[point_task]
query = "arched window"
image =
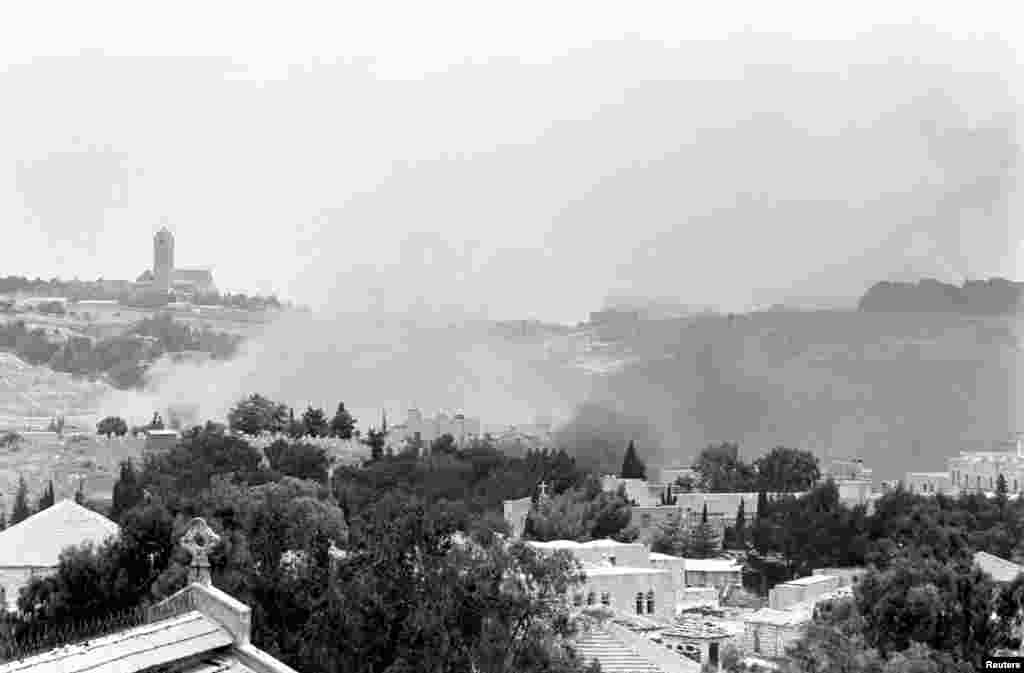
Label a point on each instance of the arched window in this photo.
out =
(591, 598)
(650, 602)
(640, 604)
(606, 599)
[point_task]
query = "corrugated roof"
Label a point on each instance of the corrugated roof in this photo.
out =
(38, 540)
(1000, 569)
(138, 649)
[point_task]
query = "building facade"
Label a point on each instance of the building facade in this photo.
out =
(979, 471)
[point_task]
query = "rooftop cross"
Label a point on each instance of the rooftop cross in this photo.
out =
(199, 539)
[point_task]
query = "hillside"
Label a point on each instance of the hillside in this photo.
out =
(996, 296)
(903, 391)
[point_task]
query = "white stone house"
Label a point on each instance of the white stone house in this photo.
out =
(32, 548)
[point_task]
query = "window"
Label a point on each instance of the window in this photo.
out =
(645, 521)
(640, 604)
(577, 599)
(757, 641)
(606, 599)
(611, 560)
(591, 598)
(650, 602)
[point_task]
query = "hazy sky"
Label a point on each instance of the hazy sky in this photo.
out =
(528, 160)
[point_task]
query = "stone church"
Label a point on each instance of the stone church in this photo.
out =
(164, 276)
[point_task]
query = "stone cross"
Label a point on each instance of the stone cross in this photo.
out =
(543, 490)
(199, 539)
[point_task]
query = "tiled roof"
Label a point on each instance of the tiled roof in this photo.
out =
(38, 541)
(696, 628)
(1000, 569)
(133, 650)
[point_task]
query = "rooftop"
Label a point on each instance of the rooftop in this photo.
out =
(38, 541)
(713, 565)
(779, 617)
(200, 629)
(810, 579)
(695, 628)
(1000, 569)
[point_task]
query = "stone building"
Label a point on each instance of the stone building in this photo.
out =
(165, 277)
(978, 471)
(32, 547)
(619, 576)
(461, 427)
(929, 483)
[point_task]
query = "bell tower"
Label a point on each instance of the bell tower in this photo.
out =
(163, 259)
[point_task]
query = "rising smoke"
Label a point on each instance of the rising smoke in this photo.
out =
(508, 190)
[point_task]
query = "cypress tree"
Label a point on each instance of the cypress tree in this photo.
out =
(740, 529)
(46, 499)
(704, 541)
(21, 510)
(632, 466)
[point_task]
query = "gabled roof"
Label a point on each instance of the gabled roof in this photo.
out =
(143, 647)
(1000, 569)
(38, 540)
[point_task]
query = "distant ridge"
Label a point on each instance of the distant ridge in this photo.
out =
(995, 296)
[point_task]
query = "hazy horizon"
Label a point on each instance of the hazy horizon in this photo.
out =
(382, 165)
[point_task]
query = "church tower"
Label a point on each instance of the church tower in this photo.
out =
(163, 259)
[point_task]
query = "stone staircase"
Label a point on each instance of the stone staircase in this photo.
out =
(613, 655)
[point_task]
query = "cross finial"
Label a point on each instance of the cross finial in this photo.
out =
(199, 539)
(543, 490)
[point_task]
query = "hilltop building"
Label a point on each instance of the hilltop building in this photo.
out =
(200, 629)
(425, 430)
(32, 548)
(979, 471)
(164, 276)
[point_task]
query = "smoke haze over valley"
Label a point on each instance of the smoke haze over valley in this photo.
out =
(408, 207)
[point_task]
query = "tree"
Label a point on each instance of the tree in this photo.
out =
(112, 425)
(704, 541)
(672, 536)
(375, 440)
(445, 444)
(21, 510)
(128, 491)
(10, 440)
(342, 424)
(294, 427)
(46, 499)
(315, 422)
(740, 529)
(256, 414)
(721, 470)
(632, 466)
(667, 498)
(784, 470)
(1001, 487)
(80, 492)
(302, 461)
